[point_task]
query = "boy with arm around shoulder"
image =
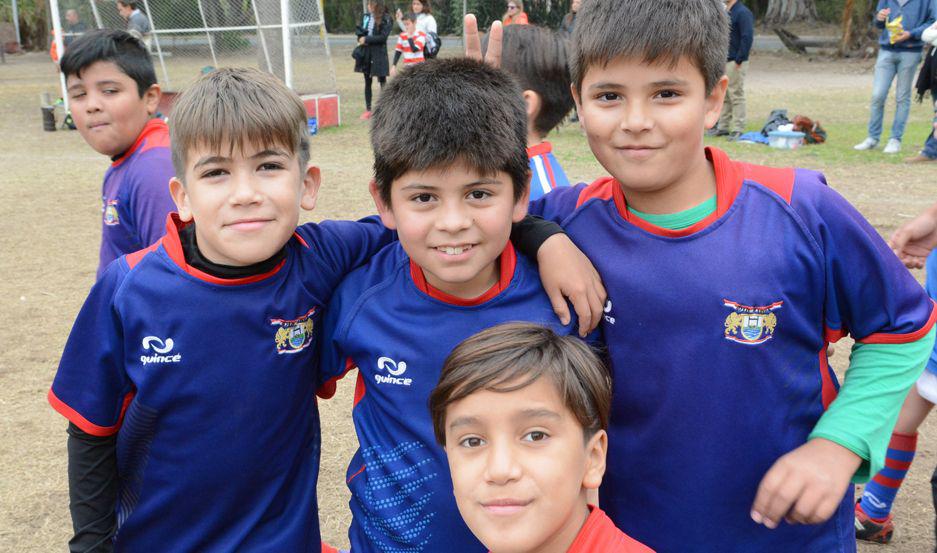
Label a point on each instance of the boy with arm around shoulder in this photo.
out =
(189, 371)
(453, 273)
(736, 277)
(522, 414)
(113, 95)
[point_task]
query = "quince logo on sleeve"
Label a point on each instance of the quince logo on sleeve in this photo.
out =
(294, 335)
(162, 351)
(750, 324)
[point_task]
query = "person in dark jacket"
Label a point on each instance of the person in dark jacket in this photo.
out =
(899, 52)
(372, 37)
(741, 35)
(569, 20)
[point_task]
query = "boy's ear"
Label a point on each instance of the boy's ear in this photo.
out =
(181, 198)
(520, 206)
(384, 210)
(151, 99)
(310, 192)
(534, 104)
(715, 100)
(596, 448)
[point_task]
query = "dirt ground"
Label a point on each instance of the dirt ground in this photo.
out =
(50, 185)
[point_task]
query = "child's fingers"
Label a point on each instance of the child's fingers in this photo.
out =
(778, 491)
(597, 305)
(805, 509)
(560, 307)
(580, 301)
(493, 55)
(473, 44)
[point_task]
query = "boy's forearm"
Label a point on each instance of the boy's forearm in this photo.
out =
(92, 491)
(864, 413)
(529, 234)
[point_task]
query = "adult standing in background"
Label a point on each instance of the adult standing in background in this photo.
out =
(74, 26)
(425, 22)
(138, 24)
(741, 35)
(569, 20)
(515, 14)
(899, 52)
(927, 82)
(372, 36)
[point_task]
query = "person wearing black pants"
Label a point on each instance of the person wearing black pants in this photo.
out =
(371, 54)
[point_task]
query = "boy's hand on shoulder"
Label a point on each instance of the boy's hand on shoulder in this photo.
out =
(914, 240)
(806, 485)
(567, 273)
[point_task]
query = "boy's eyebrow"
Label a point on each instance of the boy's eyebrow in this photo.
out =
(269, 152)
(462, 421)
(669, 82)
(539, 414)
(422, 186)
(221, 159)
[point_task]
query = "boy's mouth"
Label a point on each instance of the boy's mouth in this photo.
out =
(454, 250)
(248, 224)
(506, 506)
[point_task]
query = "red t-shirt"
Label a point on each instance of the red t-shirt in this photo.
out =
(599, 533)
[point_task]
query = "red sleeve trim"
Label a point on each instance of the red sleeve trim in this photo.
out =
(833, 335)
(326, 548)
(87, 426)
(828, 391)
(886, 338)
(136, 257)
(352, 477)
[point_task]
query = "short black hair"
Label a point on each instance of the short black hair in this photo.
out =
(537, 58)
(446, 111)
(118, 47)
(409, 16)
(658, 31)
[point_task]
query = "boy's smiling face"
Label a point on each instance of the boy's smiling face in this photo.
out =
(454, 223)
(107, 108)
(245, 202)
(645, 122)
(520, 467)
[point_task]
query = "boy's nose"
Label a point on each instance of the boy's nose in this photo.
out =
(636, 118)
(453, 219)
(243, 190)
(501, 467)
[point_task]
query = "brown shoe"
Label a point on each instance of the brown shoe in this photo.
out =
(920, 158)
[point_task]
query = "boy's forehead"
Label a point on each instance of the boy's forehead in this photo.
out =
(228, 148)
(518, 399)
(638, 69)
(98, 72)
(455, 175)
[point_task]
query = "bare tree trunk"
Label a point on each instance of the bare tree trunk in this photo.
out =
(847, 26)
(786, 11)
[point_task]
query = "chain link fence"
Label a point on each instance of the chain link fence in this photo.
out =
(189, 37)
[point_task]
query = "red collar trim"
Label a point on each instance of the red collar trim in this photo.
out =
(599, 533)
(173, 246)
(539, 149)
(152, 127)
(508, 264)
(728, 184)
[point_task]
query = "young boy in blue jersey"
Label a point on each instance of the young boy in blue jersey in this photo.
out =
(113, 96)
(188, 377)
(537, 58)
(454, 272)
(522, 415)
(726, 281)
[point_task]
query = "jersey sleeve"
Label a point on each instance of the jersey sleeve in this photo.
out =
(399, 46)
(420, 42)
(341, 246)
(334, 363)
(91, 388)
(558, 204)
(869, 293)
(146, 200)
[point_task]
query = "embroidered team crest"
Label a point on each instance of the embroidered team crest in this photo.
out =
(749, 324)
(110, 213)
(295, 335)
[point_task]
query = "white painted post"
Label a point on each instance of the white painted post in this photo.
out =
(59, 46)
(263, 39)
(211, 45)
(287, 43)
(159, 51)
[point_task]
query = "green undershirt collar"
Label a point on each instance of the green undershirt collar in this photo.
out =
(681, 219)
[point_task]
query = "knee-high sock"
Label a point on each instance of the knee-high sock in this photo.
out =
(880, 492)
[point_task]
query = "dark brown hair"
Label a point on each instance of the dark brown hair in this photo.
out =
(512, 356)
(233, 107)
(655, 31)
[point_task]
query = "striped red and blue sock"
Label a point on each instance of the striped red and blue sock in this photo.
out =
(880, 492)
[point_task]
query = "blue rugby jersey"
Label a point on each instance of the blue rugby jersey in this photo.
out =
(717, 336)
(545, 171)
(135, 196)
(210, 386)
(386, 320)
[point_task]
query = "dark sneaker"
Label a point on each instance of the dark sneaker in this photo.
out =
(717, 132)
(869, 530)
(733, 136)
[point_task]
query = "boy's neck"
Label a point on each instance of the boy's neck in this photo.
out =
(564, 539)
(533, 138)
(475, 288)
(693, 188)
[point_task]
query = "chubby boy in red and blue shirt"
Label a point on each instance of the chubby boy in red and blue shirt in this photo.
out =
(726, 281)
(113, 96)
(453, 273)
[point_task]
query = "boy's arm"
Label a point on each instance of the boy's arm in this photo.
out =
(882, 306)
(341, 246)
(92, 491)
(914, 240)
(564, 271)
(852, 435)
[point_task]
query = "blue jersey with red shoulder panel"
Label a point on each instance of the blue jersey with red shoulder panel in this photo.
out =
(135, 198)
(386, 320)
(717, 336)
(546, 173)
(209, 385)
